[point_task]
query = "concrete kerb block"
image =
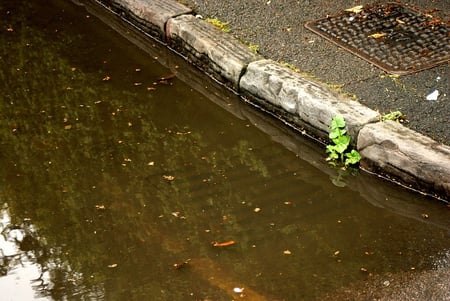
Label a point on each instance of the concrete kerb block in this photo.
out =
(313, 103)
(152, 15)
(217, 53)
(418, 161)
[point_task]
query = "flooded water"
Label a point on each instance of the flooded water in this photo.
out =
(128, 175)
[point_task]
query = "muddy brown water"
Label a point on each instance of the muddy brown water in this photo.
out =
(128, 175)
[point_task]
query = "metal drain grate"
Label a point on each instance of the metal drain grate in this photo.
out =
(396, 38)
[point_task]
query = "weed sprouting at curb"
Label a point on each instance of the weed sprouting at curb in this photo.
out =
(254, 48)
(338, 153)
(394, 116)
(223, 26)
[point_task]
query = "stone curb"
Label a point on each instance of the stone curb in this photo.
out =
(212, 50)
(314, 104)
(387, 148)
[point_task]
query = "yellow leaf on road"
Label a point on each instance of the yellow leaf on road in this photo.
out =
(377, 35)
(355, 9)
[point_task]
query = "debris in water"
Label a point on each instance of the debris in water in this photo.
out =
(168, 178)
(180, 265)
(433, 95)
(238, 290)
(165, 79)
(223, 244)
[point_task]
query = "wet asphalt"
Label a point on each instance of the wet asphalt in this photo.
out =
(277, 28)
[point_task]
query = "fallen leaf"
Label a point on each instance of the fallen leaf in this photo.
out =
(355, 9)
(112, 265)
(223, 244)
(169, 178)
(377, 35)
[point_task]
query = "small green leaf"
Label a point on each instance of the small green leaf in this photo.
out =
(337, 122)
(336, 133)
(352, 157)
(342, 142)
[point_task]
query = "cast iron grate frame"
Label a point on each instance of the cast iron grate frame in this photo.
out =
(394, 37)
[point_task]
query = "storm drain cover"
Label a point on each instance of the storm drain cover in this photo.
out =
(394, 37)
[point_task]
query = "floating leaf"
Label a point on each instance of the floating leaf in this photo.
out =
(223, 244)
(168, 178)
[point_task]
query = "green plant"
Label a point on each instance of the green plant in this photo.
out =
(254, 48)
(338, 153)
(223, 26)
(395, 116)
